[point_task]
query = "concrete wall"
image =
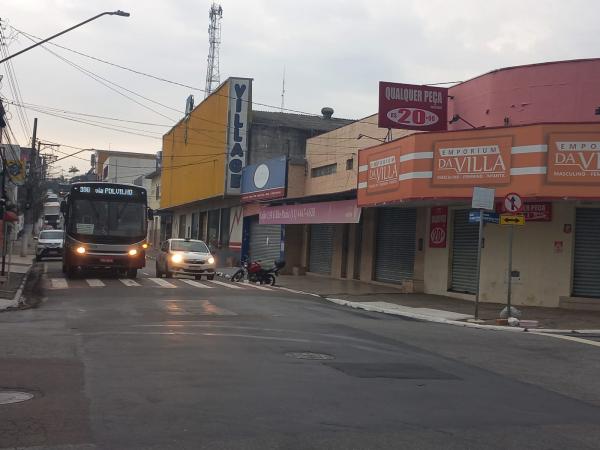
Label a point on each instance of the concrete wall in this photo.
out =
(296, 180)
(125, 169)
(268, 142)
(545, 274)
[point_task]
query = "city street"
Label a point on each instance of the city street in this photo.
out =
(180, 364)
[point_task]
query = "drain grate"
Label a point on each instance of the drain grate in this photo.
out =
(8, 397)
(310, 355)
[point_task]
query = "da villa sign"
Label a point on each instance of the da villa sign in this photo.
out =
(468, 162)
(383, 172)
(574, 158)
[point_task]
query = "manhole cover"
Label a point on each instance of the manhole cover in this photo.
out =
(7, 397)
(309, 355)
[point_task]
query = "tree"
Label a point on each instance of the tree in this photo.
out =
(73, 169)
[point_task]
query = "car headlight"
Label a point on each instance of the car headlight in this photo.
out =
(176, 258)
(211, 260)
(133, 252)
(80, 250)
(144, 245)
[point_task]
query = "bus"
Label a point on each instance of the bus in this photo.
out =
(105, 228)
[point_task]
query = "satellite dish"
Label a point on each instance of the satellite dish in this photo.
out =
(189, 105)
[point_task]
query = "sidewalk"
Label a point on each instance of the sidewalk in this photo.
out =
(10, 291)
(376, 297)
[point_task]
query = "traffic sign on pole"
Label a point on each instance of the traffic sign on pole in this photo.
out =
(512, 219)
(513, 203)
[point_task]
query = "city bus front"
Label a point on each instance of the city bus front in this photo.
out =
(105, 228)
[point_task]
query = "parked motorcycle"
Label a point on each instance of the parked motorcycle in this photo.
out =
(255, 273)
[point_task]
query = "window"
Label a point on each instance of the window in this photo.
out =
(350, 164)
(322, 171)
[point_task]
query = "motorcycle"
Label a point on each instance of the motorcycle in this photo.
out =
(255, 273)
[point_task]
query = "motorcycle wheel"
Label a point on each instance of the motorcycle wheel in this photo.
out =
(237, 276)
(269, 279)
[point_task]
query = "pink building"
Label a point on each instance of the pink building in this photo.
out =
(561, 91)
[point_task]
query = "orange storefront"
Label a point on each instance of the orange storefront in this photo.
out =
(425, 181)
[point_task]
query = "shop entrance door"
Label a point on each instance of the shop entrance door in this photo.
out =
(321, 248)
(586, 264)
(395, 248)
(464, 253)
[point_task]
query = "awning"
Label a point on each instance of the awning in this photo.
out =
(344, 211)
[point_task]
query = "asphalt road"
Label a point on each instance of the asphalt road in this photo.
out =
(207, 366)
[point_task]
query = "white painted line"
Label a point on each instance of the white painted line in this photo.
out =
(416, 155)
(362, 185)
(196, 284)
(528, 170)
(413, 175)
(255, 286)
(128, 282)
(145, 273)
(569, 338)
(162, 283)
(227, 285)
(541, 148)
(45, 267)
(59, 283)
(95, 283)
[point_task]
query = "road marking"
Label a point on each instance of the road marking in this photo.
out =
(162, 283)
(227, 285)
(58, 283)
(95, 283)
(145, 273)
(255, 286)
(196, 284)
(569, 338)
(128, 282)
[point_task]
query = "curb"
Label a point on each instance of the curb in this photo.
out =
(17, 299)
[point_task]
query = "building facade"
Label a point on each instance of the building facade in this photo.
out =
(122, 167)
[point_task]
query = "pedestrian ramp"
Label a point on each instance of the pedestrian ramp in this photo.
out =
(61, 283)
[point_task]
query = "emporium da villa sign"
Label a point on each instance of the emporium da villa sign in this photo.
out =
(574, 158)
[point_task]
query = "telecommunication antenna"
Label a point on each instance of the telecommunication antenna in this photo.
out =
(213, 78)
(283, 91)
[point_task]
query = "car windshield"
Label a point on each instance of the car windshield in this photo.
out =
(54, 234)
(108, 218)
(189, 246)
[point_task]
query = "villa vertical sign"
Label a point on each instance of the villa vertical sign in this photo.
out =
(240, 90)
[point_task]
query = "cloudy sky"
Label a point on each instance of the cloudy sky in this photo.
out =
(334, 53)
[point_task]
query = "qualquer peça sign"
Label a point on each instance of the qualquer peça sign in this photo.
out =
(413, 107)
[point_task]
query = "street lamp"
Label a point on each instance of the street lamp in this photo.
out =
(360, 136)
(109, 13)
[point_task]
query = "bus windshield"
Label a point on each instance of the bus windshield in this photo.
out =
(92, 217)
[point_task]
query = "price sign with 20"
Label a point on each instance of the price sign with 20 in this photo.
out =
(413, 116)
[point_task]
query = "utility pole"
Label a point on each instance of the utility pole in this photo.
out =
(30, 183)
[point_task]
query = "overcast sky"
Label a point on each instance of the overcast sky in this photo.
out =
(334, 53)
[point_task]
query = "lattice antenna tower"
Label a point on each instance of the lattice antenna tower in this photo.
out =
(213, 77)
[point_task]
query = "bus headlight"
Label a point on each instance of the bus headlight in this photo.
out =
(176, 258)
(211, 260)
(80, 250)
(132, 252)
(144, 245)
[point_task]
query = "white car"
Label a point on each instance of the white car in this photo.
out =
(185, 257)
(49, 243)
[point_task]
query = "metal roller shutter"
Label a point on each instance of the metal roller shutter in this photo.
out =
(586, 271)
(464, 253)
(321, 248)
(265, 243)
(395, 248)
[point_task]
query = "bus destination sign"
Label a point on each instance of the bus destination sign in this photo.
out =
(102, 190)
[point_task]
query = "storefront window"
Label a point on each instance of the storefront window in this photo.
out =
(213, 228)
(224, 235)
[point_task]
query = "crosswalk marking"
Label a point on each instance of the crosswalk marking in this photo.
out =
(228, 285)
(256, 286)
(196, 284)
(94, 282)
(162, 283)
(58, 283)
(129, 282)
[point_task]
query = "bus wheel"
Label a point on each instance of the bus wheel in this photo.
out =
(132, 273)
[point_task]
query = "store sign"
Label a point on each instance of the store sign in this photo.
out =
(383, 172)
(574, 158)
(438, 227)
(413, 107)
(344, 211)
(266, 180)
(476, 161)
(532, 211)
(239, 106)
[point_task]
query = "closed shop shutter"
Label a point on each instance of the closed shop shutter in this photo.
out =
(265, 243)
(395, 248)
(586, 270)
(321, 248)
(464, 253)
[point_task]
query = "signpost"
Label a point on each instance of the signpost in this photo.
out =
(514, 205)
(488, 217)
(483, 199)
